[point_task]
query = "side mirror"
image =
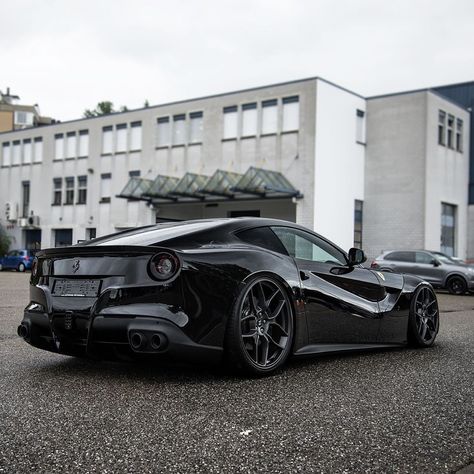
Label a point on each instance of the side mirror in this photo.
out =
(356, 257)
(435, 263)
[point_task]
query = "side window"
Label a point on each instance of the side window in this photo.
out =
(400, 256)
(422, 257)
(262, 237)
(305, 246)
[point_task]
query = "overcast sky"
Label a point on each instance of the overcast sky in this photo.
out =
(68, 55)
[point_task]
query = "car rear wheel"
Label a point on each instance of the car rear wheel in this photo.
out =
(456, 285)
(1, 267)
(260, 330)
(423, 323)
(21, 267)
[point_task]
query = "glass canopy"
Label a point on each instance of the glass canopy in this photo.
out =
(222, 185)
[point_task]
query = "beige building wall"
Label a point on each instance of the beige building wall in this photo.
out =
(6, 120)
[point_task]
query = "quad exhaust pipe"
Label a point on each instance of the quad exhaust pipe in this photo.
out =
(146, 343)
(23, 331)
(136, 340)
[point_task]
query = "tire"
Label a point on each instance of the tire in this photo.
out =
(456, 285)
(260, 330)
(423, 323)
(21, 267)
(1, 267)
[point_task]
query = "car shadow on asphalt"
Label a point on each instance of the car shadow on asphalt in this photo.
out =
(168, 372)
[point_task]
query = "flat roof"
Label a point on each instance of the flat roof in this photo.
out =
(177, 102)
(432, 90)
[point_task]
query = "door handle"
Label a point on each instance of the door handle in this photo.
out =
(304, 275)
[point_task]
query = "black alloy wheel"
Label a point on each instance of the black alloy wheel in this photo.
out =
(260, 332)
(424, 317)
(457, 285)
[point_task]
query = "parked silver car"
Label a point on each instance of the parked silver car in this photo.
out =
(437, 269)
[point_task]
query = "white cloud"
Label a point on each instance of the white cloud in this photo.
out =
(68, 55)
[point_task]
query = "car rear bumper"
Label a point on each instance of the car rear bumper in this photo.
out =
(120, 337)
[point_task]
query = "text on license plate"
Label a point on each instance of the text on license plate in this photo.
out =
(89, 288)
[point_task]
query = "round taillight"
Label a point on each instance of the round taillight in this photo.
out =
(163, 266)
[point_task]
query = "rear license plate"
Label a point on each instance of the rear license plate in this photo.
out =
(87, 288)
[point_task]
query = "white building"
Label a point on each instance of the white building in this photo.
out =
(61, 183)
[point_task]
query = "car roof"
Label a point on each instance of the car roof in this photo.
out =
(221, 228)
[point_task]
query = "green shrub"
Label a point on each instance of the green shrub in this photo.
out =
(4, 242)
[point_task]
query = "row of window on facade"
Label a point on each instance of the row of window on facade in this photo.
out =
(122, 138)
(71, 145)
(65, 190)
(247, 120)
(26, 151)
(450, 131)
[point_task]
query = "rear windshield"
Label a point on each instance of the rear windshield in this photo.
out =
(153, 235)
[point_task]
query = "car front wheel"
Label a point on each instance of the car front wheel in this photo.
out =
(260, 330)
(456, 285)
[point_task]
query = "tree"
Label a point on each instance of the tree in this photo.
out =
(4, 241)
(103, 108)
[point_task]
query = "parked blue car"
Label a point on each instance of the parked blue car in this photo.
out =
(19, 260)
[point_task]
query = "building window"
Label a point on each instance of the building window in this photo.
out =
(230, 122)
(57, 191)
(135, 136)
(360, 126)
(27, 151)
(16, 152)
(249, 120)
(134, 174)
(459, 135)
(121, 138)
(269, 116)
(163, 131)
(6, 156)
(195, 127)
(69, 191)
(71, 144)
(91, 233)
(450, 131)
(81, 189)
(62, 237)
(358, 210)
(26, 198)
(24, 118)
(83, 143)
(179, 129)
(291, 114)
(107, 140)
(442, 127)
(58, 146)
(38, 149)
(105, 185)
(448, 228)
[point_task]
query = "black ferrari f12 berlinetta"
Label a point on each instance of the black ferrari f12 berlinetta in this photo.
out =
(250, 292)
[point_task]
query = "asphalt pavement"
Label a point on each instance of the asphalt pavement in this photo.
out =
(395, 411)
